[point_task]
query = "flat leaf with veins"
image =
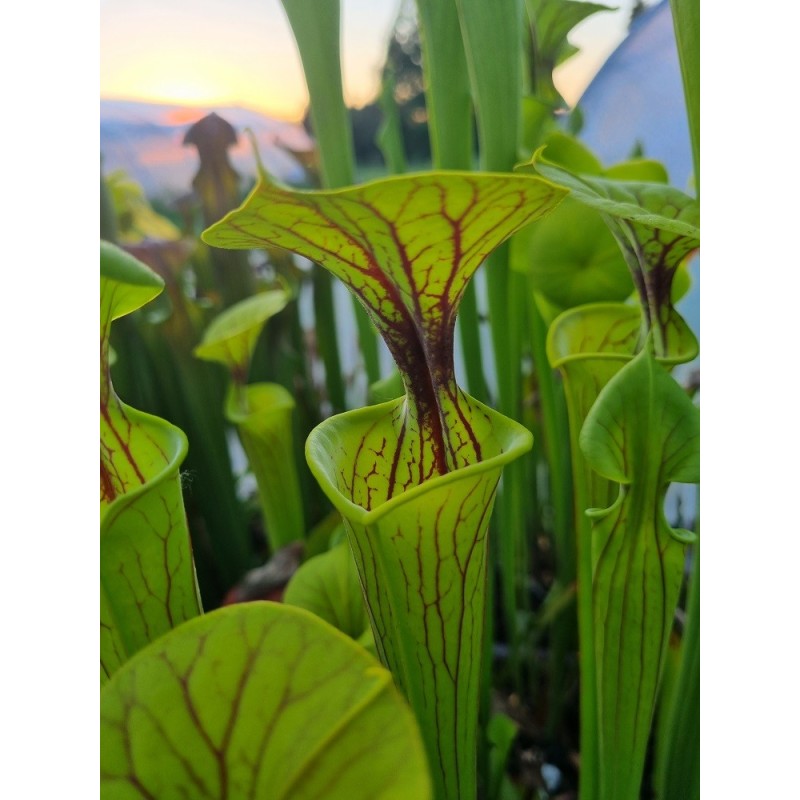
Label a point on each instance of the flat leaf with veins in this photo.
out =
(147, 582)
(258, 701)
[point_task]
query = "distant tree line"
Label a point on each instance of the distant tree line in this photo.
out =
(404, 67)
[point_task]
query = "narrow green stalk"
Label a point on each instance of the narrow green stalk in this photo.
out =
(506, 310)
(449, 106)
(327, 338)
(492, 34)
(554, 434)
(390, 135)
(686, 20)
(677, 770)
(589, 721)
(316, 28)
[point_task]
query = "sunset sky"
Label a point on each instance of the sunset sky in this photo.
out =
(241, 52)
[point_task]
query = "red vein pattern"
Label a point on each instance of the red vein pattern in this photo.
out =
(146, 569)
(643, 433)
(257, 701)
(590, 345)
(421, 558)
(406, 247)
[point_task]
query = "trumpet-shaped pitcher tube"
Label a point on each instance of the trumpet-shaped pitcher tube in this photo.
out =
(422, 558)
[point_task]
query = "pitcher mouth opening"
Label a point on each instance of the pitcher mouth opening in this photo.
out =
(511, 439)
(622, 336)
(174, 447)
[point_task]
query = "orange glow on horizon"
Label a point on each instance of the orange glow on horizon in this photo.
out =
(243, 53)
(160, 52)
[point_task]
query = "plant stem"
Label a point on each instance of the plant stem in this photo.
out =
(677, 772)
(589, 722)
(686, 20)
(554, 434)
(315, 24)
(449, 105)
(492, 33)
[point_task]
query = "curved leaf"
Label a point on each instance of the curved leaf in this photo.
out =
(316, 28)
(643, 433)
(551, 21)
(125, 283)
(258, 701)
(327, 585)
(147, 582)
(572, 256)
(656, 227)
(654, 206)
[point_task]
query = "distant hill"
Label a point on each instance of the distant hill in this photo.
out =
(146, 140)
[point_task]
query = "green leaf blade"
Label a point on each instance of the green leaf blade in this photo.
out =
(262, 701)
(147, 574)
(643, 431)
(328, 586)
(653, 205)
(125, 283)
